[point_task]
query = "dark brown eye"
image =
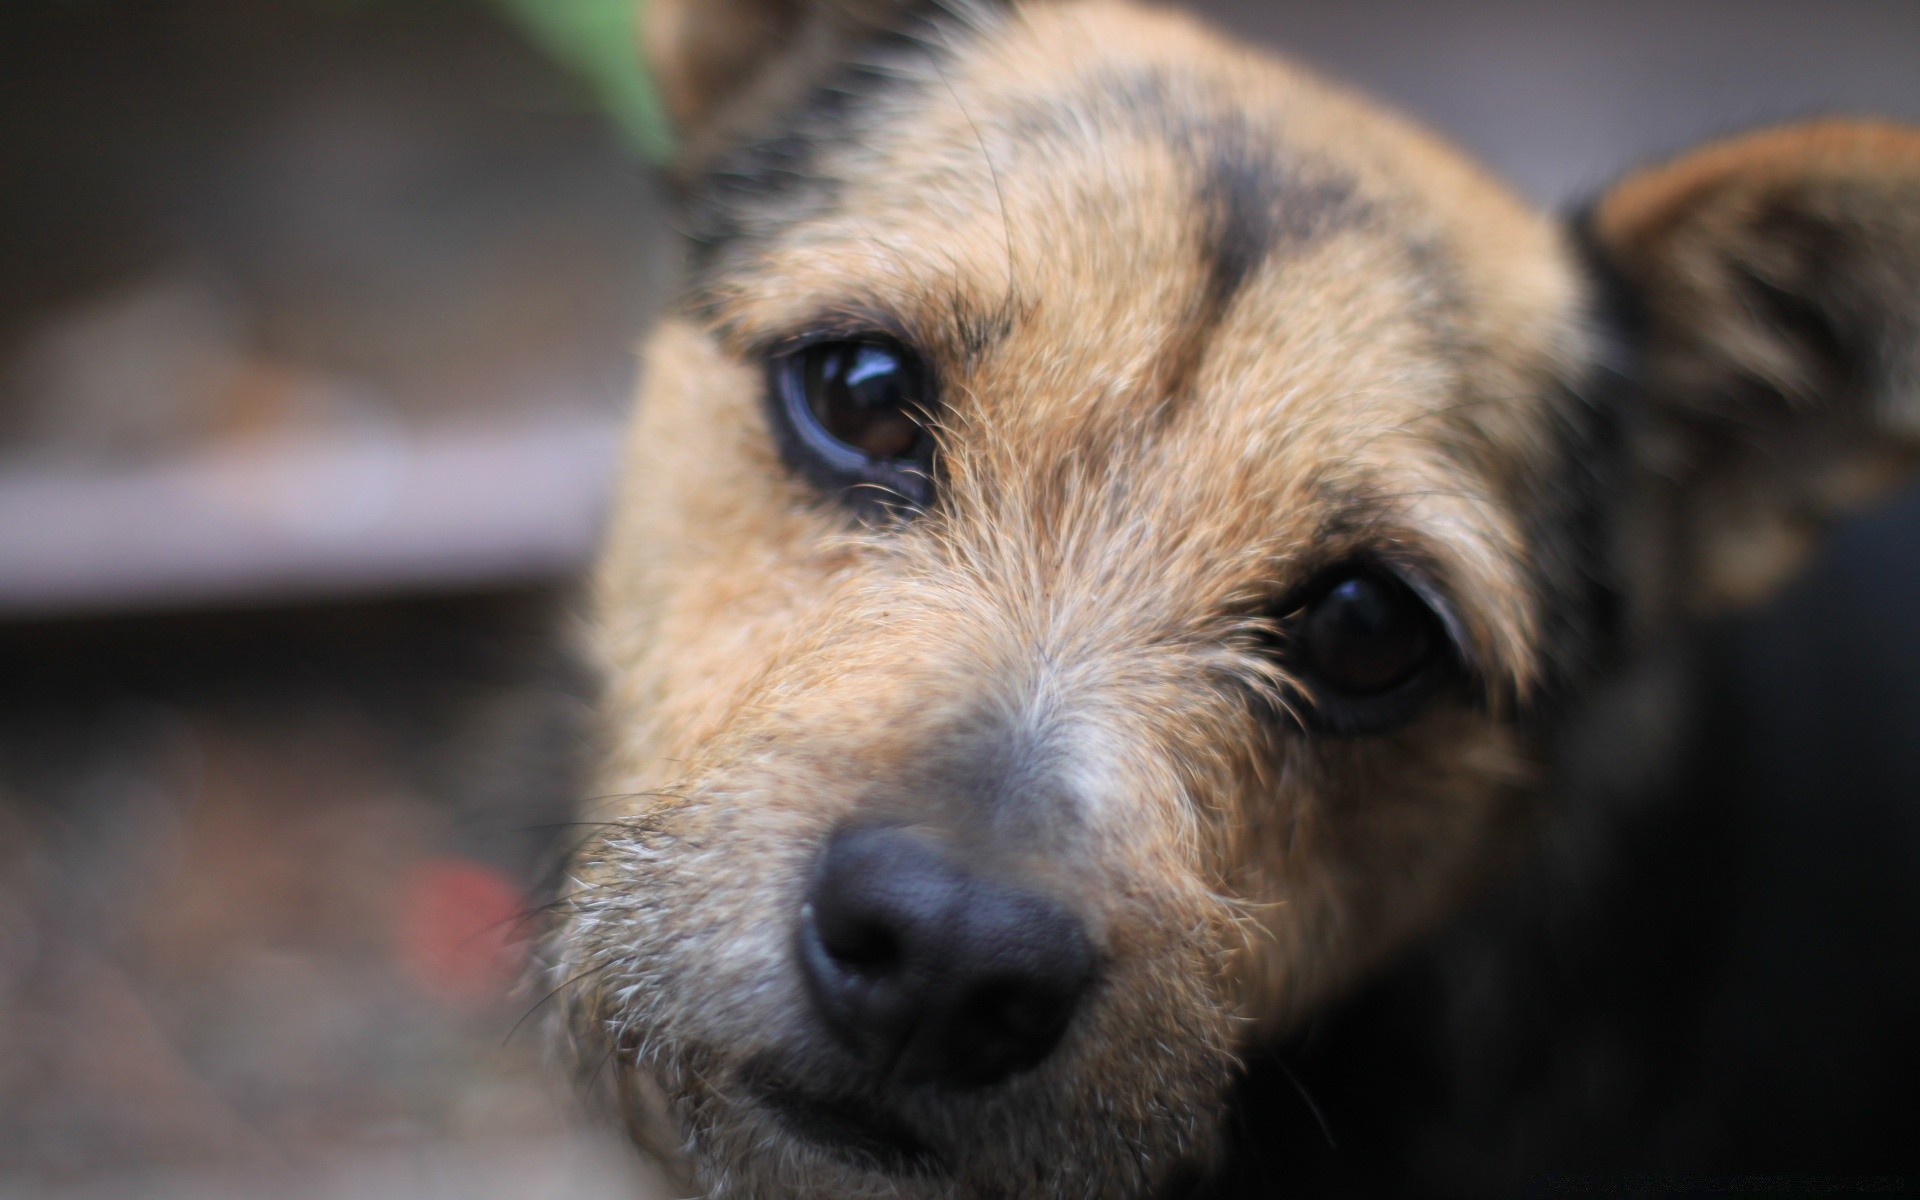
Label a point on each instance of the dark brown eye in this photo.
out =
(1368, 651)
(855, 413)
(1367, 634)
(864, 396)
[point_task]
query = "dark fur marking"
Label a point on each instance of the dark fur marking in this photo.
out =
(1569, 532)
(1840, 344)
(1257, 198)
(1237, 194)
(754, 192)
(1253, 198)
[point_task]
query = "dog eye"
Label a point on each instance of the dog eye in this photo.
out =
(1367, 634)
(1368, 650)
(855, 412)
(864, 397)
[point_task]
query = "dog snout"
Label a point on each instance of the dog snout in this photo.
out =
(931, 973)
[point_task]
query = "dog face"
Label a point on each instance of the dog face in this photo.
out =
(1108, 543)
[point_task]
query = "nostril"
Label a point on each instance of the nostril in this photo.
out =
(1022, 1012)
(863, 946)
(1006, 1023)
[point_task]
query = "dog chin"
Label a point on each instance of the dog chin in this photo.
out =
(801, 1147)
(768, 1135)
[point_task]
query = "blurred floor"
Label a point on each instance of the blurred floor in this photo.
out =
(264, 882)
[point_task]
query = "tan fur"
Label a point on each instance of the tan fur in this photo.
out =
(1123, 491)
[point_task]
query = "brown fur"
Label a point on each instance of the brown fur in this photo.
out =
(1771, 422)
(1151, 433)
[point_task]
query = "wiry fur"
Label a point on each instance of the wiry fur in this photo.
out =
(1204, 326)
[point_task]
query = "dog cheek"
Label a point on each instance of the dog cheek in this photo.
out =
(1331, 855)
(710, 555)
(1398, 838)
(1168, 889)
(672, 957)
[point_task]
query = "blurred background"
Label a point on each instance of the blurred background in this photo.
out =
(316, 328)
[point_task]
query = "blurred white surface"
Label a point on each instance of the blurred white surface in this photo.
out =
(367, 508)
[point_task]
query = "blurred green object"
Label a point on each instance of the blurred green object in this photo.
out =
(599, 41)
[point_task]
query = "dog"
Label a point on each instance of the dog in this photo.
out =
(1140, 619)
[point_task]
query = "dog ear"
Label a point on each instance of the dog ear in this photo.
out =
(1774, 281)
(722, 66)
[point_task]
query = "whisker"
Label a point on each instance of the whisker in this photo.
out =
(542, 1001)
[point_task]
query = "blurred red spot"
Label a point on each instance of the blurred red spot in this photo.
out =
(459, 930)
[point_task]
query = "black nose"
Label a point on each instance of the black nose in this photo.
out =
(930, 973)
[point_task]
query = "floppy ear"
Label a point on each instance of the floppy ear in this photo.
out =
(1775, 283)
(722, 65)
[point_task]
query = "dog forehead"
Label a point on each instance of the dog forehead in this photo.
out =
(1113, 190)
